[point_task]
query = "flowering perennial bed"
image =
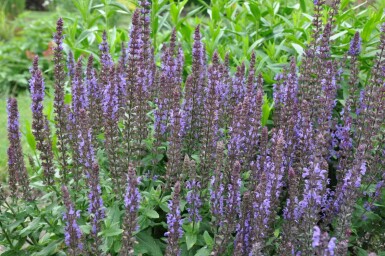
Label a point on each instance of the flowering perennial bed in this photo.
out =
(142, 161)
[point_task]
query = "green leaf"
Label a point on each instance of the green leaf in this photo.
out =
(111, 232)
(152, 214)
(361, 252)
(191, 239)
(86, 229)
(32, 227)
(298, 48)
(83, 36)
(15, 252)
(29, 135)
(208, 239)
(48, 249)
(121, 7)
(276, 232)
(303, 5)
(147, 244)
(203, 252)
(334, 37)
(276, 7)
(266, 109)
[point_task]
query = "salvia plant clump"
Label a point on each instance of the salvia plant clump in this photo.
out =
(144, 160)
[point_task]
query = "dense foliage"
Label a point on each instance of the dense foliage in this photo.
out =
(140, 159)
(274, 30)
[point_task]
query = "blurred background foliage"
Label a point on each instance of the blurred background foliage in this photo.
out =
(275, 30)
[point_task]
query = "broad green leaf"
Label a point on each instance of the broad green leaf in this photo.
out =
(204, 251)
(15, 252)
(335, 36)
(122, 7)
(32, 227)
(303, 5)
(276, 232)
(191, 239)
(111, 232)
(361, 252)
(152, 214)
(29, 136)
(83, 36)
(147, 244)
(298, 48)
(266, 109)
(208, 239)
(48, 249)
(86, 229)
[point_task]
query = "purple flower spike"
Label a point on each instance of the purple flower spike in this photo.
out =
(355, 45)
(316, 237)
(332, 246)
(174, 222)
(72, 233)
(18, 176)
(131, 203)
(40, 124)
(193, 199)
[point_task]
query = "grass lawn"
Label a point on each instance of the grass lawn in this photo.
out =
(24, 102)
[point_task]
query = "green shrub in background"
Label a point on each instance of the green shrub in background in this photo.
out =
(275, 30)
(33, 36)
(13, 7)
